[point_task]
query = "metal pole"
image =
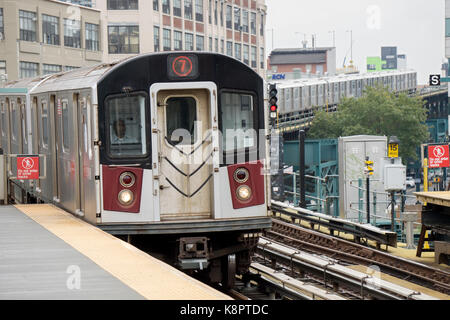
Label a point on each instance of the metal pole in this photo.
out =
(294, 187)
(360, 200)
(368, 198)
(302, 169)
(375, 209)
(393, 211)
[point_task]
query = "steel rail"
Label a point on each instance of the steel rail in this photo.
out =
(376, 287)
(350, 252)
(335, 224)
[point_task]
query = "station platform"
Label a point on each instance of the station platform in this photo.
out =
(46, 253)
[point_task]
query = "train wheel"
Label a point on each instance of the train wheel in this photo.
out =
(230, 272)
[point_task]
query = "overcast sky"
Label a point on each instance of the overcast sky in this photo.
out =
(416, 27)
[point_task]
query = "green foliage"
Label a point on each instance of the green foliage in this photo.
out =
(378, 112)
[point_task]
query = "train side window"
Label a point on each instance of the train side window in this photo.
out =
(44, 123)
(13, 121)
(126, 126)
(23, 117)
(3, 119)
(238, 126)
(181, 114)
(65, 126)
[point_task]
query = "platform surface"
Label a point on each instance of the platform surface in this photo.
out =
(441, 198)
(46, 253)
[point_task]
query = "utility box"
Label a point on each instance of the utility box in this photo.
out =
(352, 156)
(394, 177)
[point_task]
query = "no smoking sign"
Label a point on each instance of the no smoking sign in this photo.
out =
(27, 168)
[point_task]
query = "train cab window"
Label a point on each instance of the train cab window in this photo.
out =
(127, 126)
(181, 115)
(238, 127)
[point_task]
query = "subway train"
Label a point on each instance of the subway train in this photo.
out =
(300, 96)
(165, 150)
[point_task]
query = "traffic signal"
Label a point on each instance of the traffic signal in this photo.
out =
(273, 100)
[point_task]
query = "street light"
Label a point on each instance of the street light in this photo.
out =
(351, 46)
(333, 32)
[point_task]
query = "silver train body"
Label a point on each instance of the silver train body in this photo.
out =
(201, 213)
(303, 95)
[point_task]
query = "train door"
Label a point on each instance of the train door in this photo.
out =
(185, 147)
(56, 147)
(81, 130)
(23, 127)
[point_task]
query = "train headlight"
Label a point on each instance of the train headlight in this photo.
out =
(126, 197)
(244, 193)
(127, 179)
(241, 175)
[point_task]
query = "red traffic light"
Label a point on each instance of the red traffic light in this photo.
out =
(273, 108)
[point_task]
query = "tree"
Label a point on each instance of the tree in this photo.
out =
(378, 112)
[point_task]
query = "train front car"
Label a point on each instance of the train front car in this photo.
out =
(182, 159)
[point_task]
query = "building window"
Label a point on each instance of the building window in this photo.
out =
(92, 37)
(262, 55)
(253, 56)
(70, 68)
(245, 21)
(215, 14)
(156, 38)
(189, 42)
(177, 40)
(188, 9)
(27, 25)
(216, 46)
(229, 18)
(167, 41)
(123, 39)
(123, 5)
(50, 68)
(166, 6)
(72, 34)
(447, 27)
(253, 23)
(237, 18)
(261, 27)
(229, 48)
(210, 12)
(200, 45)
(177, 8)
(246, 53)
(156, 5)
(210, 43)
(2, 69)
(221, 14)
(2, 28)
(199, 10)
(237, 51)
(50, 30)
(28, 69)
(222, 46)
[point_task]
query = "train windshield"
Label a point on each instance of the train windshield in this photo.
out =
(237, 121)
(127, 128)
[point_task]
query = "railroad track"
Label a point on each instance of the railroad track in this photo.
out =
(352, 253)
(334, 280)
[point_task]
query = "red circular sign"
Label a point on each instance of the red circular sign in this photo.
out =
(27, 163)
(182, 66)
